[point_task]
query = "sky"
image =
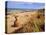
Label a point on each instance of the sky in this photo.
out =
(25, 5)
(28, 0)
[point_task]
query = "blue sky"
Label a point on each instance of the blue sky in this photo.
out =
(25, 5)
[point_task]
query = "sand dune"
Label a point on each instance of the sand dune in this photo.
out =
(25, 22)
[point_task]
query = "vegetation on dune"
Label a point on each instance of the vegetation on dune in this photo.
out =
(35, 24)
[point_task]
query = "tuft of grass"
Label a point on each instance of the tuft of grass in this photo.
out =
(36, 29)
